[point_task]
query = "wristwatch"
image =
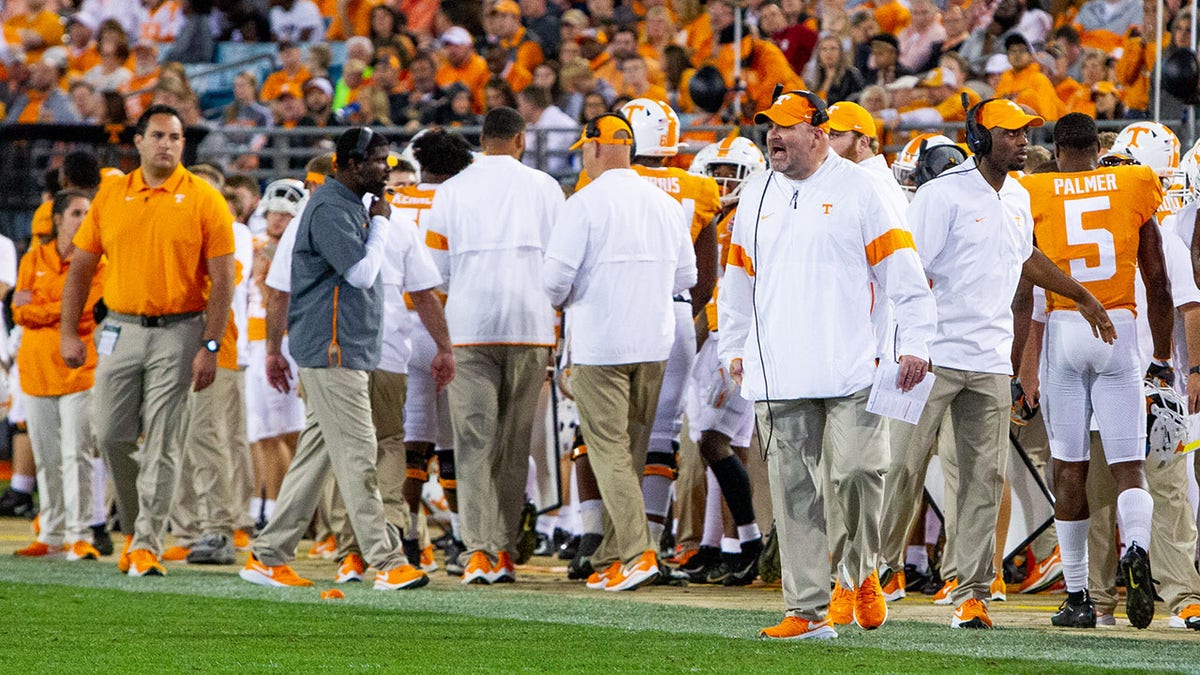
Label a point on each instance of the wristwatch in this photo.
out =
(1194, 370)
(212, 346)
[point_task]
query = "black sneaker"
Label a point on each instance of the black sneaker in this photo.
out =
(101, 539)
(569, 548)
(743, 571)
(454, 550)
(704, 557)
(527, 539)
(914, 579)
(717, 572)
(544, 546)
(669, 576)
(1076, 615)
(1139, 586)
(579, 568)
(15, 504)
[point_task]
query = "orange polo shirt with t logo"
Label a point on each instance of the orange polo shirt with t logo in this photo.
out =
(157, 241)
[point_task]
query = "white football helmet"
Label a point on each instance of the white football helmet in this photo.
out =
(410, 156)
(906, 160)
(1156, 146)
(1166, 423)
(732, 150)
(284, 195)
(655, 127)
(1190, 166)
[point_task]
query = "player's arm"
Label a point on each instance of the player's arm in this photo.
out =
(705, 247)
(1160, 309)
(1040, 271)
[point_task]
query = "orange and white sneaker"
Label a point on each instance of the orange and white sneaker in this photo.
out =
(82, 550)
(998, 589)
(241, 540)
(841, 605)
(351, 569)
(894, 589)
(1188, 617)
(942, 597)
(503, 572)
(39, 550)
(428, 564)
(176, 554)
(404, 577)
(143, 563)
(123, 560)
(326, 548)
(870, 607)
(971, 614)
(682, 557)
(598, 580)
(478, 569)
(795, 628)
(638, 573)
(1044, 574)
(280, 576)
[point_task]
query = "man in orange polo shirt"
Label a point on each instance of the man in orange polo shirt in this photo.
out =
(167, 235)
(462, 64)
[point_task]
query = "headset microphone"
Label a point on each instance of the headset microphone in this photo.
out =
(966, 102)
(778, 90)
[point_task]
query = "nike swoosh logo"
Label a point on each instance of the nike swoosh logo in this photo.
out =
(1133, 584)
(979, 220)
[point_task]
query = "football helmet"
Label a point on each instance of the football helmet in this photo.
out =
(906, 162)
(1154, 145)
(655, 127)
(733, 150)
(1166, 423)
(1190, 166)
(284, 195)
(409, 155)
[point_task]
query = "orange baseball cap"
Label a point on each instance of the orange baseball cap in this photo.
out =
(1006, 114)
(787, 110)
(847, 116)
(1104, 87)
(604, 130)
(505, 7)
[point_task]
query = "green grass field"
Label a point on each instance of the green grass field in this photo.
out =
(85, 617)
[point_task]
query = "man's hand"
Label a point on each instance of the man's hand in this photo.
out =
(279, 373)
(22, 298)
(912, 371)
(204, 369)
(1031, 384)
(735, 371)
(380, 207)
(442, 368)
(1094, 312)
(73, 351)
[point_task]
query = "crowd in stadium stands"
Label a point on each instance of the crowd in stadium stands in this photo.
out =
(413, 63)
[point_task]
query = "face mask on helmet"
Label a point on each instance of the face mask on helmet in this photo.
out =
(283, 196)
(730, 162)
(1166, 424)
(906, 161)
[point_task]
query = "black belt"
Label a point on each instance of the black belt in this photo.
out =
(153, 321)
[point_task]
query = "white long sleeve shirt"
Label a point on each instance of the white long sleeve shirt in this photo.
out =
(488, 229)
(407, 267)
(619, 250)
(881, 307)
(973, 242)
(795, 302)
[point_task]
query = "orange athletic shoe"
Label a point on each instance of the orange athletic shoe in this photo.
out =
(478, 569)
(428, 564)
(241, 540)
(123, 560)
(1188, 617)
(143, 563)
(503, 572)
(894, 590)
(998, 589)
(636, 574)
(326, 548)
(82, 550)
(1044, 574)
(942, 597)
(351, 569)
(598, 580)
(870, 607)
(971, 614)
(176, 554)
(795, 628)
(39, 550)
(404, 577)
(683, 557)
(841, 605)
(280, 576)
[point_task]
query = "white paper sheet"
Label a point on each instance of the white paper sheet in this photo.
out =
(888, 400)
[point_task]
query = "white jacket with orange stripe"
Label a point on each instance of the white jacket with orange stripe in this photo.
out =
(795, 302)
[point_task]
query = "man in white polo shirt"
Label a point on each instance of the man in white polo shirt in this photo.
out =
(808, 241)
(974, 231)
(488, 228)
(618, 245)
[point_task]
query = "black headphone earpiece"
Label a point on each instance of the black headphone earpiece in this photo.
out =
(979, 139)
(592, 130)
(820, 111)
(364, 141)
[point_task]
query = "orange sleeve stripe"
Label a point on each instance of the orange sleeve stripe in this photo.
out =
(738, 258)
(436, 241)
(888, 243)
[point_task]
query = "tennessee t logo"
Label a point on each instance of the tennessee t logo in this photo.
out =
(1135, 132)
(826, 208)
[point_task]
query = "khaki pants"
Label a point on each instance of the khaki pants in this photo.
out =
(691, 488)
(492, 401)
(616, 410)
(142, 387)
(1033, 438)
(204, 499)
(977, 459)
(61, 434)
(242, 488)
(338, 433)
(1172, 533)
(802, 435)
(853, 558)
(387, 392)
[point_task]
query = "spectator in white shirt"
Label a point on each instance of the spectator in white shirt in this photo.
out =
(537, 107)
(918, 39)
(296, 21)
